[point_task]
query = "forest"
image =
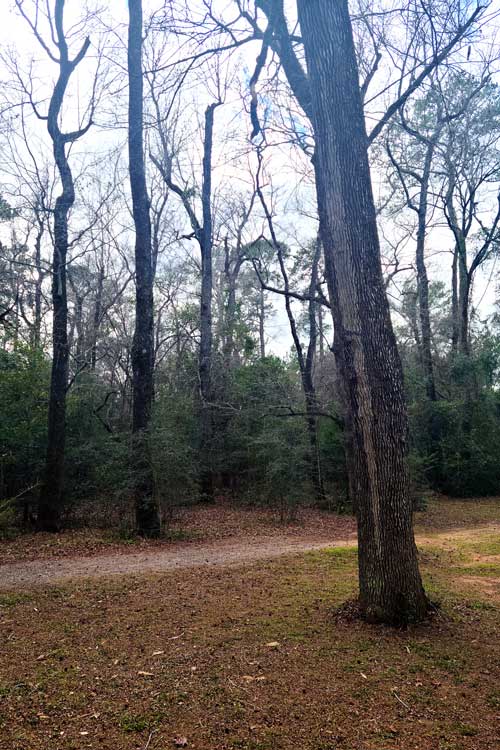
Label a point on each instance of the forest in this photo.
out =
(249, 316)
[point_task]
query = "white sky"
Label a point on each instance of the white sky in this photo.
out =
(14, 32)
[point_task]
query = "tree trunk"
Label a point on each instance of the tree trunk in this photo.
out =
(231, 273)
(461, 278)
(390, 585)
(321, 334)
(146, 507)
(37, 322)
(463, 303)
(206, 334)
(434, 422)
(455, 323)
(262, 323)
(305, 363)
(422, 278)
(97, 318)
(308, 383)
(80, 337)
(51, 493)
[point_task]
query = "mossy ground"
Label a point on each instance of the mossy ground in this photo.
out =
(255, 658)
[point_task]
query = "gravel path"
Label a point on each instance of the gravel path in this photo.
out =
(222, 553)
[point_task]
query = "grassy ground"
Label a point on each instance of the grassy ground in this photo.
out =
(256, 658)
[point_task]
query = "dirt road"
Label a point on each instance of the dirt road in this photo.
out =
(29, 574)
(230, 552)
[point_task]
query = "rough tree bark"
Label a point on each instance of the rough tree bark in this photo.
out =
(206, 335)
(146, 507)
(390, 585)
(51, 494)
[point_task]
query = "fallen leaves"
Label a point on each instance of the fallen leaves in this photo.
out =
(180, 741)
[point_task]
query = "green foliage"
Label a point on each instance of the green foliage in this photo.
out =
(332, 454)
(281, 452)
(7, 213)
(463, 460)
(24, 378)
(256, 439)
(173, 444)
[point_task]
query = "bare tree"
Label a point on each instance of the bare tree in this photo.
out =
(146, 506)
(203, 234)
(51, 495)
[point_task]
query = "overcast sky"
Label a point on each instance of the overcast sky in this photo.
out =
(14, 33)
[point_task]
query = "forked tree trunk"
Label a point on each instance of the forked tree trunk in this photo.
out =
(146, 508)
(51, 493)
(390, 585)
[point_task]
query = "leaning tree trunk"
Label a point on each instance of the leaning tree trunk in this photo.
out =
(146, 508)
(390, 585)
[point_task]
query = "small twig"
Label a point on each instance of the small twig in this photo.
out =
(23, 492)
(154, 731)
(401, 701)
